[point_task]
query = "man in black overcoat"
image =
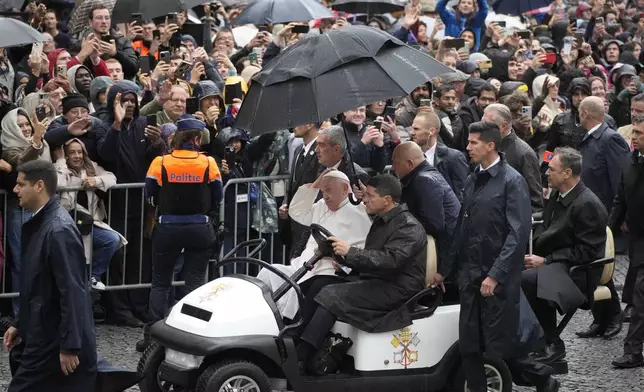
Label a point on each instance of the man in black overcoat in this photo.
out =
(628, 214)
(573, 233)
(53, 346)
(490, 240)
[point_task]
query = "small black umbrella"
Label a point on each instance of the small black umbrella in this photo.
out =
(150, 9)
(263, 12)
(369, 7)
(321, 76)
(16, 33)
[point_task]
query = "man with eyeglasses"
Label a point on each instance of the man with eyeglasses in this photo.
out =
(76, 123)
(119, 47)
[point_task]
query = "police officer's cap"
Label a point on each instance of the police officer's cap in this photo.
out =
(188, 122)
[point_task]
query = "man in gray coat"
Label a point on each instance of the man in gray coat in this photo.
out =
(490, 240)
(518, 153)
(392, 269)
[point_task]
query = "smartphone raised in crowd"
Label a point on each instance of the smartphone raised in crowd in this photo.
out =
(156, 34)
(232, 91)
(165, 57)
(599, 20)
(151, 120)
(137, 19)
(41, 113)
(454, 43)
(146, 64)
(300, 29)
(390, 111)
(172, 18)
(567, 46)
(551, 58)
(527, 111)
(426, 102)
(192, 105)
(525, 34)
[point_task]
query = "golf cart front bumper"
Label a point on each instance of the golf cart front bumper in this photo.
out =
(178, 376)
(202, 346)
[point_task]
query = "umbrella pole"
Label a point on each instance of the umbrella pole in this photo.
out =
(352, 170)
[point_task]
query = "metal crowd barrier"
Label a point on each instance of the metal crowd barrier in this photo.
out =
(236, 222)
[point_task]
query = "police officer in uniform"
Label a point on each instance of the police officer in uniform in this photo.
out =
(185, 186)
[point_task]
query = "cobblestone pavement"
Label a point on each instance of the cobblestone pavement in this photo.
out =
(589, 360)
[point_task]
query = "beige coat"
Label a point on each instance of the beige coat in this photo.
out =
(104, 181)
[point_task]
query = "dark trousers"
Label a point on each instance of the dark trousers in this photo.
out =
(635, 335)
(606, 311)
(636, 260)
(310, 288)
(196, 241)
(316, 330)
(130, 263)
(546, 314)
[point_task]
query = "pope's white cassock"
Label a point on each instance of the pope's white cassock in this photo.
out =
(349, 223)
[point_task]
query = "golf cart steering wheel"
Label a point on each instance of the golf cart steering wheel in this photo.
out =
(321, 237)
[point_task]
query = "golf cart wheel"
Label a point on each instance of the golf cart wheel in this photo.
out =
(499, 378)
(149, 366)
(231, 376)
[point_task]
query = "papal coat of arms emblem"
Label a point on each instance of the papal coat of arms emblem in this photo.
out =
(405, 340)
(216, 289)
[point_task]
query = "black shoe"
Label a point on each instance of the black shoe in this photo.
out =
(132, 322)
(553, 352)
(142, 345)
(615, 326)
(551, 385)
(628, 361)
(628, 312)
(594, 330)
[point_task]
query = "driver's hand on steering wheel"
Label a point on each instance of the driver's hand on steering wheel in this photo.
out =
(340, 248)
(436, 280)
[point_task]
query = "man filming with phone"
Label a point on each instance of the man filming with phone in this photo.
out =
(111, 44)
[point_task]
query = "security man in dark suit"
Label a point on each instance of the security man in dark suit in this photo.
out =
(628, 215)
(186, 187)
(605, 153)
(304, 171)
(449, 162)
(573, 233)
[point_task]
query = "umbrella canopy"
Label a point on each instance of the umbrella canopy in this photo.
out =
(80, 16)
(263, 12)
(518, 7)
(321, 76)
(369, 7)
(16, 33)
(150, 9)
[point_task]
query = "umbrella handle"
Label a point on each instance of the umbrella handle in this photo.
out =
(353, 199)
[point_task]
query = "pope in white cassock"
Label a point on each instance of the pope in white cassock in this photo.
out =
(335, 213)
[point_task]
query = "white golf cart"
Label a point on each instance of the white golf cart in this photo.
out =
(228, 336)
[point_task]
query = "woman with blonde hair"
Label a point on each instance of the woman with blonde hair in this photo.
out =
(76, 170)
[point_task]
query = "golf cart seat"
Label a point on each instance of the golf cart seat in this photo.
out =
(429, 298)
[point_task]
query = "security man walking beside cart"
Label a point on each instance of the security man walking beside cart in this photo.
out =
(185, 186)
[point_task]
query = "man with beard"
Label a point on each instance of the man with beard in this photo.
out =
(471, 110)
(449, 162)
(408, 107)
(80, 79)
(76, 123)
(366, 150)
(446, 101)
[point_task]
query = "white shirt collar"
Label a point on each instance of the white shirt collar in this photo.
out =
(593, 129)
(563, 195)
(337, 164)
(431, 154)
(497, 160)
(43, 206)
(307, 147)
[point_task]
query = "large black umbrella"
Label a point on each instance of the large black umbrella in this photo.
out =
(518, 7)
(16, 33)
(369, 7)
(321, 76)
(263, 12)
(150, 9)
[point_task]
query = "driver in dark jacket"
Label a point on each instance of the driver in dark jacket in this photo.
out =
(392, 268)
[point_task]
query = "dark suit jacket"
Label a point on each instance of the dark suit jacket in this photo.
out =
(523, 159)
(453, 166)
(628, 207)
(573, 233)
(605, 154)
